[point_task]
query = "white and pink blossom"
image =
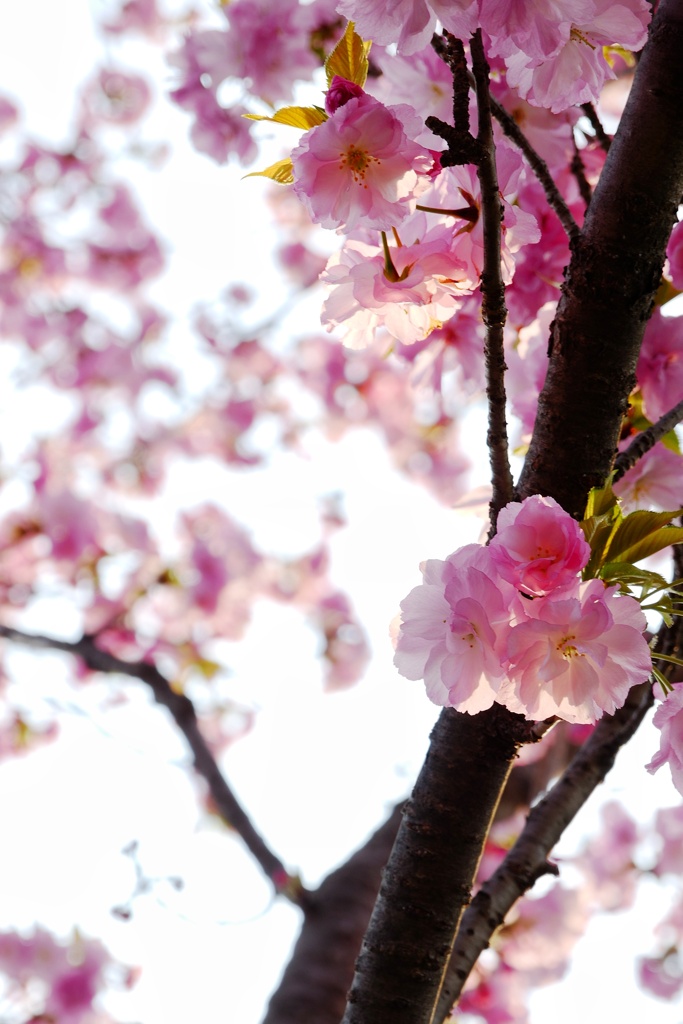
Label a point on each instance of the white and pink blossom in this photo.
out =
(576, 654)
(359, 167)
(453, 630)
(669, 720)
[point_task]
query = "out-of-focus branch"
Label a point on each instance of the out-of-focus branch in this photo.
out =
(314, 984)
(182, 710)
(646, 440)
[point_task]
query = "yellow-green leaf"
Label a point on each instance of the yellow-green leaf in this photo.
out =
(281, 172)
(297, 117)
(628, 575)
(600, 500)
(655, 542)
(349, 59)
(639, 526)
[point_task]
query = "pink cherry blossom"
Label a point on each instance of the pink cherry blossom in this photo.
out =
(453, 629)
(656, 480)
(576, 653)
(538, 546)
(409, 23)
(359, 167)
(674, 254)
(577, 68)
(430, 282)
(669, 720)
(340, 91)
(660, 366)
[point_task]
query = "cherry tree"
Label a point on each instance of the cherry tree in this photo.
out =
(476, 207)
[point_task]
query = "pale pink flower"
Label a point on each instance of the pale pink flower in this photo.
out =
(662, 975)
(660, 364)
(576, 653)
(453, 630)
(359, 167)
(457, 188)
(669, 720)
(669, 830)
(409, 23)
(655, 480)
(577, 69)
(538, 546)
(431, 283)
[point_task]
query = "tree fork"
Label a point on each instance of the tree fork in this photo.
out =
(429, 876)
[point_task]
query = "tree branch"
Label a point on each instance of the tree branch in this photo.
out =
(184, 715)
(596, 124)
(538, 166)
(494, 310)
(527, 861)
(646, 440)
(428, 878)
(320, 971)
(614, 272)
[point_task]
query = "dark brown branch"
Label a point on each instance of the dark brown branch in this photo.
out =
(184, 715)
(528, 859)
(579, 171)
(614, 273)
(428, 878)
(646, 440)
(596, 124)
(538, 166)
(452, 52)
(493, 308)
(314, 984)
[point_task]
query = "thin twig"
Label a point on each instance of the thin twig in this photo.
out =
(494, 311)
(578, 169)
(185, 717)
(596, 124)
(646, 440)
(538, 166)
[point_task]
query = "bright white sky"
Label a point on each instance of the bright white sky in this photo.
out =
(317, 773)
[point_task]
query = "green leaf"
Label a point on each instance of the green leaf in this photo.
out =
(644, 533)
(281, 172)
(600, 500)
(598, 531)
(297, 117)
(349, 59)
(627, 576)
(671, 442)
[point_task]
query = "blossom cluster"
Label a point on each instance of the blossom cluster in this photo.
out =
(515, 623)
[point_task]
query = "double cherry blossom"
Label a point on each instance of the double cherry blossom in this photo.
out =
(514, 623)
